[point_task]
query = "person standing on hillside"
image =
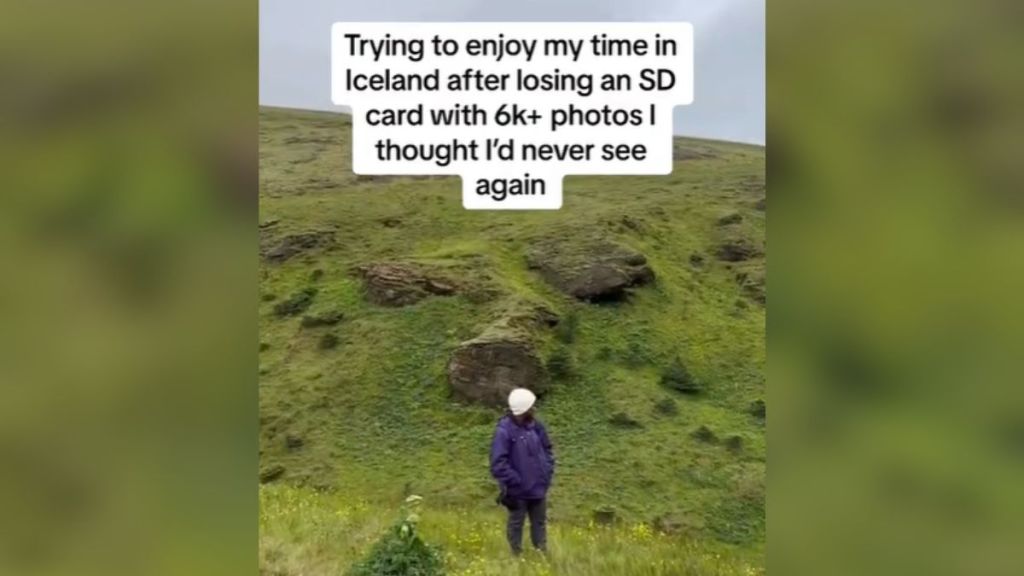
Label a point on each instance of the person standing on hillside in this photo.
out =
(523, 463)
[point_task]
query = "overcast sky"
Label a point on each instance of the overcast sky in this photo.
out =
(729, 36)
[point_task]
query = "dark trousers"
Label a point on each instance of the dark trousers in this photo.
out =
(537, 511)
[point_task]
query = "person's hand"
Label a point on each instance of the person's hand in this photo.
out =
(510, 503)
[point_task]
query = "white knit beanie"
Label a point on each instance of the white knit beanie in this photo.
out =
(520, 400)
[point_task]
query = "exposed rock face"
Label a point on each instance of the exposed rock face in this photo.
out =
(294, 442)
(738, 249)
(486, 369)
(523, 317)
(272, 473)
(401, 284)
(598, 271)
(544, 316)
(753, 284)
(291, 245)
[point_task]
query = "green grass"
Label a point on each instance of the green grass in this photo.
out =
(375, 412)
(305, 532)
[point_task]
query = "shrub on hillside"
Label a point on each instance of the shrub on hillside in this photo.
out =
(328, 341)
(666, 407)
(296, 303)
(705, 434)
(401, 552)
(605, 516)
(734, 443)
(678, 378)
(757, 409)
(623, 420)
(566, 329)
(323, 319)
(635, 355)
(560, 364)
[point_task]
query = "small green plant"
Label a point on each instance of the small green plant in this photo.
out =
(678, 378)
(566, 329)
(401, 552)
(623, 420)
(324, 319)
(666, 407)
(705, 434)
(296, 303)
(605, 515)
(635, 355)
(328, 341)
(734, 444)
(560, 364)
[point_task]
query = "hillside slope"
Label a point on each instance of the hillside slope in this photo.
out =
(354, 399)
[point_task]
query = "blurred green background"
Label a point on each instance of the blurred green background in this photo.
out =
(128, 333)
(128, 300)
(897, 263)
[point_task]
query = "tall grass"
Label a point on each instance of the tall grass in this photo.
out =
(313, 533)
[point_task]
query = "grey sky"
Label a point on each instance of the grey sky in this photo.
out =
(729, 34)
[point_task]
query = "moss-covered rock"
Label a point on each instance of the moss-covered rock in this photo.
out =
(593, 271)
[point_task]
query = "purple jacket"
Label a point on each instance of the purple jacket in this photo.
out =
(521, 459)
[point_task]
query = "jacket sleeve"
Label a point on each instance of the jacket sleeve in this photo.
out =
(501, 468)
(549, 452)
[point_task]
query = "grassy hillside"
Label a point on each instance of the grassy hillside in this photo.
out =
(359, 410)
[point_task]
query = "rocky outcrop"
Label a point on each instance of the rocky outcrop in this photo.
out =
(596, 271)
(279, 250)
(738, 249)
(752, 282)
(271, 474)
(398, 284)
(484, 370)
(524, 317)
